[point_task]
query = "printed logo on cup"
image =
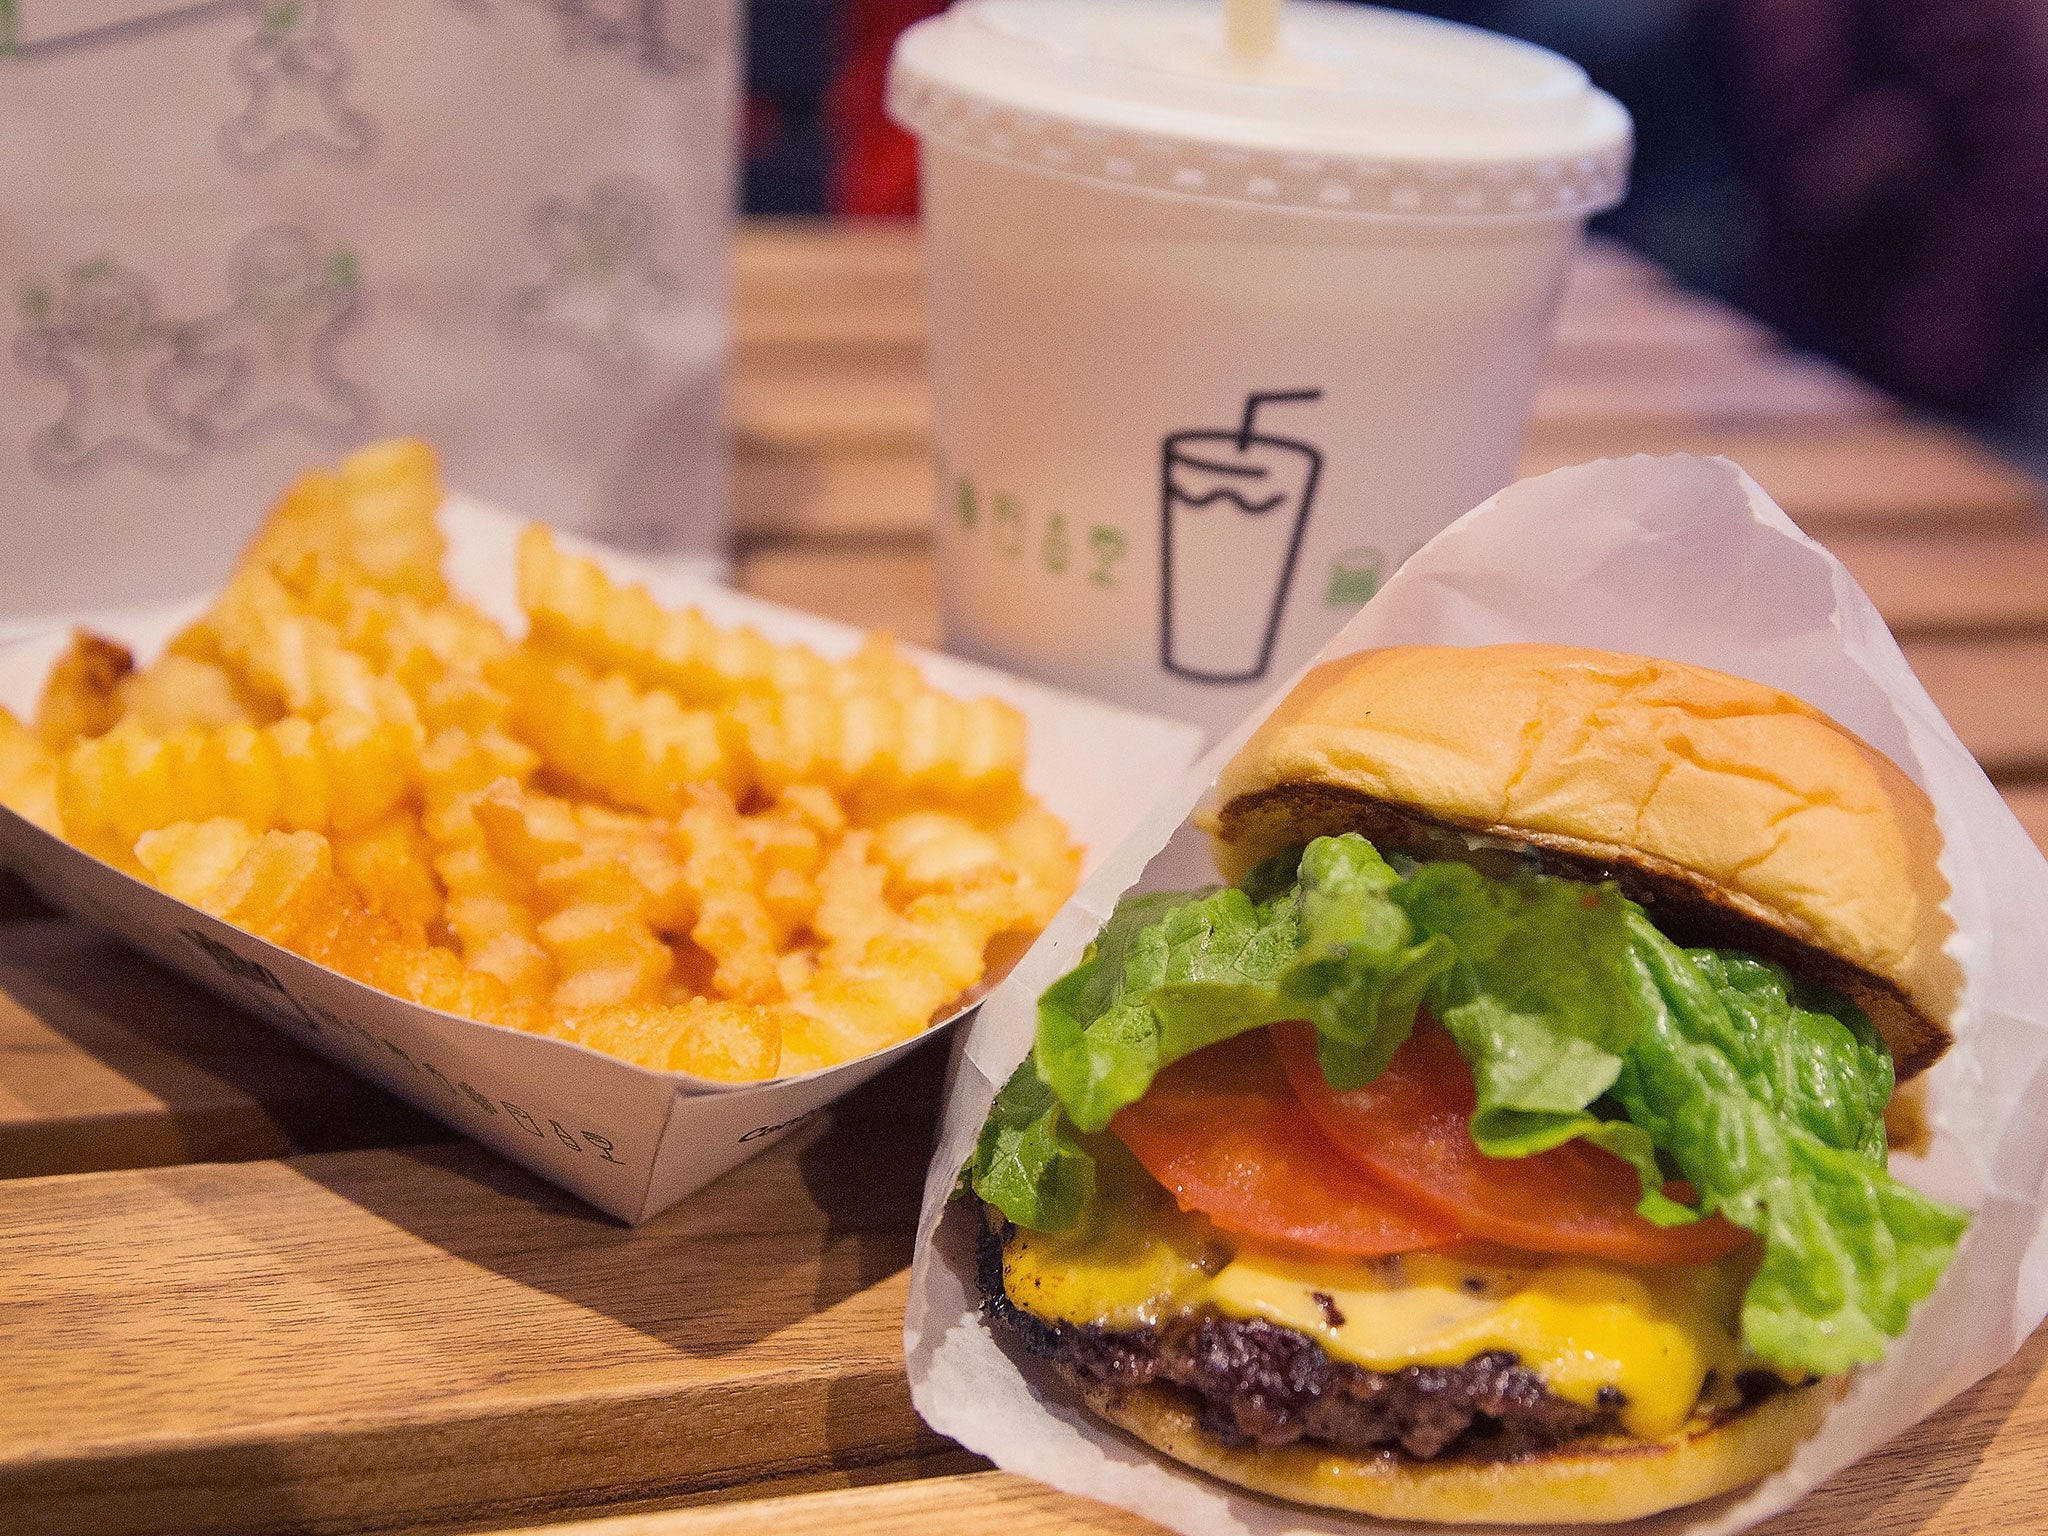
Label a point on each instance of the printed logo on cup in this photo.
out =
(1233, 505)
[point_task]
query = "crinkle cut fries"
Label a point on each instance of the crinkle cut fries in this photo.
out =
(693, 847)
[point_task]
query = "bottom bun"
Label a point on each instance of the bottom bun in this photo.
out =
(1600, 1481)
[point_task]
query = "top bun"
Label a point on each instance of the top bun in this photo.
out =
(1741, 815)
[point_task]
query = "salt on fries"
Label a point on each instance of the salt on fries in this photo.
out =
(692, 847)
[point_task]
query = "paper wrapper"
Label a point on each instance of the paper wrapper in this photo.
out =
(1682, 558)
(628, 1139)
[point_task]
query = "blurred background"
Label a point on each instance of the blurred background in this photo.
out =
(1869, 176)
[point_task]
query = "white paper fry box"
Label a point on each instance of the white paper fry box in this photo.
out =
(1681, 558)
(628, 1139)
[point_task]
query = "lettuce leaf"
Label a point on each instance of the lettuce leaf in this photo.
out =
(1027, 1163)
(1541, 1003)
(1579, 1019)
(1848, 1250)
(1334, 950)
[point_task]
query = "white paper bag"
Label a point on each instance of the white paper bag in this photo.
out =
(627, 1138)
(1682, 558)
(240, 236)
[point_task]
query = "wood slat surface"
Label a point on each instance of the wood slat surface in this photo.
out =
(1920, 1483)
(1889, 476)
(1967, 585)
(1830, 478)
(431, 1337)
(2030, 803)
(1994, 691)
(1961, 583)
(1992, 686)
(109, 1061)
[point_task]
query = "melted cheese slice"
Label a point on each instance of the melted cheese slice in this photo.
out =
(1590, 1329)
(1650, 1335)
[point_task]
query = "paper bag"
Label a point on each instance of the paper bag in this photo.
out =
(243, 235)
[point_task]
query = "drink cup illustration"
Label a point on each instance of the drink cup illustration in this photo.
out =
(1233, 507)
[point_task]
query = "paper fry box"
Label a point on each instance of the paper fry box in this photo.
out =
(1683, 558)
(628, 1139)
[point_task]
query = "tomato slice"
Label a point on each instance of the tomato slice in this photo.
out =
(1223, 1130)
(1411, 1128)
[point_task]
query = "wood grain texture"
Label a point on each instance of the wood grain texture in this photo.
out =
(2029, 802)
(1978, 585)
(1891, 476)
(109, 1061)
(887, 588)
(829, 394)
(1887, 474)
(1994, 691)
(1920, 1483)
(1961, 582)
(432, 1336)
(1993, 687)
(792, 495)
(1970, 1470)
(1722, 389)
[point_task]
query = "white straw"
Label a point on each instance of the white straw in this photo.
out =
(1251, 27)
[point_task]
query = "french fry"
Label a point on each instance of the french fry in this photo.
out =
(391, 865)
(178, 692)
(695, 847)
(638, 748)
(285, 890)
(1045, 862)
(342, 774)
(192, 859)
(371, 518)
(734, 925)
(487, 912)
(868, 996)
(886, 747)
(81, 697)
(28, 775)
(595, 923)
(295, 661)
(726, 1041)
(417, 643)
(575, 608)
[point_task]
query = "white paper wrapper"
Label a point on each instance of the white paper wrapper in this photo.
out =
(1683, 558)
(627, 1139)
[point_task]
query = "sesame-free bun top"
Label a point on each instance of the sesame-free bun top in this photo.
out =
(1738, 814)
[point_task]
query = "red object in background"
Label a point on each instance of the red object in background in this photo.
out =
(874, 163)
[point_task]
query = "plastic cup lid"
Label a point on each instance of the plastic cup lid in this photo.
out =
(1359, 109)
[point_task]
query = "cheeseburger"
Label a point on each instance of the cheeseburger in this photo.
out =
(1507, 1140)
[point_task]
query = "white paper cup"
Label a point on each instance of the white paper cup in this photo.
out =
(1216, 346)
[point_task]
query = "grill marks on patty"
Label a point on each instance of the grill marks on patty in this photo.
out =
(1259, 1383)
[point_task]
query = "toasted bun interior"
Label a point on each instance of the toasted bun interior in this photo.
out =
(1740, 815)
(1599, 1483)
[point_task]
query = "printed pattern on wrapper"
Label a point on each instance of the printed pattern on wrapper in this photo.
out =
(272, 224)
(142, 387)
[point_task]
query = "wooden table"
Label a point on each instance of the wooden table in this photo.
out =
(240, 1291)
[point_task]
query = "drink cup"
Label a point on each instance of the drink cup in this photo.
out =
(1215, 342)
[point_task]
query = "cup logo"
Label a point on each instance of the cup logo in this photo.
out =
(1233, 505)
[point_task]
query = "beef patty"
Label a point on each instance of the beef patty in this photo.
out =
(1259, 1383)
